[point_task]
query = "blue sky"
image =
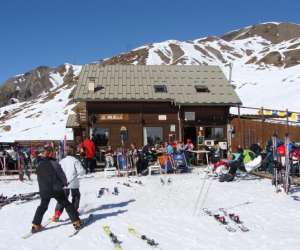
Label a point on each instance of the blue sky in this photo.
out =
(40, 32)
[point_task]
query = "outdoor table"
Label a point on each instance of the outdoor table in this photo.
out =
(198, 153)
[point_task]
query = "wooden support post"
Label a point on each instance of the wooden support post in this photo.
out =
(179, 125)
(262, 127)
(240, 126)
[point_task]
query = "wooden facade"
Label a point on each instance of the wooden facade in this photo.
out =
(247, 132)
(123, 104)
(135, 117)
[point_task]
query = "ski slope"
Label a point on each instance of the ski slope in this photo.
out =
(162, 212)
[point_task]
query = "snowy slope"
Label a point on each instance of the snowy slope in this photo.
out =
(265, 59)
(164, 213)
(43, 118)
(257, 85)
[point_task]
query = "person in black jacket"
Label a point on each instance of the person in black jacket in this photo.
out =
(52, 180)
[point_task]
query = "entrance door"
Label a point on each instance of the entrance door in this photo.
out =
(190, 133)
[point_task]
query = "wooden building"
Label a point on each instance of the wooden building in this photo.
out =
(123, 104)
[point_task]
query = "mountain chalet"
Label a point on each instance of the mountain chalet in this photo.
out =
(123, 104)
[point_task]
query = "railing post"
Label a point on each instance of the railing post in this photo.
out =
(287, 120)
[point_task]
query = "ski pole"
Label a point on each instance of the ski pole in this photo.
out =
(74, 178)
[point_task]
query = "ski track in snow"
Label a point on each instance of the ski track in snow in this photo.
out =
(162, 212)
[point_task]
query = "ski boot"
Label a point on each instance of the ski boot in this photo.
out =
(220, 218)
(235, 218)
(35, 228)
(100, 193)
(114, 239)
(77, 224)
(116, 191)
(150, 242)
(55, 217)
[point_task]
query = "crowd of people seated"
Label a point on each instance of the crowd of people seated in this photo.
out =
(147, 155)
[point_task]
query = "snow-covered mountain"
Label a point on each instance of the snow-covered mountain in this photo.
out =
(265, 61)
(43, 114)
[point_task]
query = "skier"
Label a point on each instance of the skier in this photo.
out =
(72, 169)
(51, 180)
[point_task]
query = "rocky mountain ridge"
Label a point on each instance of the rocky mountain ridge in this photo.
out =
(264, 58)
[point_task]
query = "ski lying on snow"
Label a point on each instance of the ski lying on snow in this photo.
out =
(236, 219)
(220, 219)
(26, 236)
(139, 182)
(84, 223)
(113, 237)
(149, 241)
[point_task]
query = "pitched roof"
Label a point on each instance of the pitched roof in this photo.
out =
(72, 121)
(136, 83)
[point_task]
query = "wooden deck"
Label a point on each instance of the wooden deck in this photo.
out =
(296, 180)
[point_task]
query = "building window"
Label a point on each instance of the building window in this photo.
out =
(100, 136)
(189, 116)
(216, 133)
(160, 88)
(202, 89)
(153, 135)
(98, 88)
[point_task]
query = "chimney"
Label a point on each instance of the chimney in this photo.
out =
(91, 84)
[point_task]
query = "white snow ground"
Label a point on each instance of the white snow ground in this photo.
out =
(164, 213)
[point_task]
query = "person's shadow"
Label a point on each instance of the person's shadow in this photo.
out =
(108, 206)
(295, 198)
(97, 216)
(294, 189)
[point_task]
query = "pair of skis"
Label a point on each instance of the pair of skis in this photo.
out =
(84, 223)
(21, 198)
(276, 163)
(117, 243)
(136, 182)
(149, 241)
(29, 234)
(236, 219)
(287, 180)
(113, 238)
(223, 221)
(281, 176)
(220, 219)
(163, 182)
(102, 191)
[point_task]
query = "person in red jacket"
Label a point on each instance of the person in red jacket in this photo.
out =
(89, 149)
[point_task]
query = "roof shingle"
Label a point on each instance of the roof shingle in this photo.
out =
(135, 83)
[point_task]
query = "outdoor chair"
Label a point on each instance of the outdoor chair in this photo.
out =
(125, 165)
(180, 162)
(109, 170)
(166, 163)
(154, 168)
